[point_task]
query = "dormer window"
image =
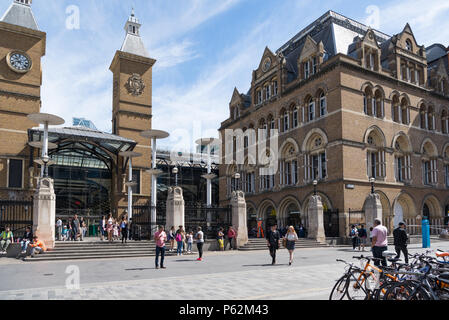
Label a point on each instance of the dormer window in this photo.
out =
(314, 65)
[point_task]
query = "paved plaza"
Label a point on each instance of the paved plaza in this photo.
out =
(221, 276)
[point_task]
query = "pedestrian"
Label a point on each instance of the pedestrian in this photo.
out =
(25, 241)
(371, 234)
(83, 229)
(302, 231)
(110, 228)
(171, 238)
(231, 238)
(273, 238)
(59, 229)
(124, 229)
(38, 247)
(220, 239)
(69, 229)
(160, 237)
(116, 230)
(102, 227)
(400, 241)
(75, 227)
(200, 243)
(65, 231)
(353, 234)
(179, 237)
(189, 242)
(362, 237)
(379, 242)
(291, 238)
(6, 238)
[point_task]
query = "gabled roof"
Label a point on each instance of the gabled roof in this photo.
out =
(20, 14)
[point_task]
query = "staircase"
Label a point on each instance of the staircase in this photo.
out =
(261, 244)
(99, 250)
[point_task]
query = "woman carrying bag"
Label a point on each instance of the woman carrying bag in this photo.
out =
(290, 241)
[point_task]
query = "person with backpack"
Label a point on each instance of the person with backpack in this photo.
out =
(363, 235)
(353, 234)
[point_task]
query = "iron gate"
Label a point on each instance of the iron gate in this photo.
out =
(17, 214)
(331, 223)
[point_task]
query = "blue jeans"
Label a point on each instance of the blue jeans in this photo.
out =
(24, 244)
(180, 245)
(160, 251)
(189, 247)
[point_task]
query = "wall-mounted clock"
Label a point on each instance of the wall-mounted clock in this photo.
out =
(19, 61)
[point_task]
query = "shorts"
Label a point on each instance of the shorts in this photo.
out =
(221, 243)
(362, 241)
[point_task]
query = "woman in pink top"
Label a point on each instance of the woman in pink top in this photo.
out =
(160, 237)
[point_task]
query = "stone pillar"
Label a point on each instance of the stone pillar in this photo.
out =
(316, 220)
(239, 218)
(44, 212)
(373, 210)
(175, 208)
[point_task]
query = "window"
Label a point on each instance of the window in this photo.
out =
(266, 182)
(311, 110)
(408, 45)
(249, 183)
(267, 92)
(446, 175)
(314, 65)
(259, 97)
(275, 88)
(417, 76)
(403, 168)
(376, 164)
(15, 173)
(316, 167)
(288, 172)
(286, 121)
(272, 124)
(136, 179)
(295, 118)
(323, 105)
(430, 172)
(306, 70)
(365, 104)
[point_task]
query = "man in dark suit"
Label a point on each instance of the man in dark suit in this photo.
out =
(400, 241)
(273, 239)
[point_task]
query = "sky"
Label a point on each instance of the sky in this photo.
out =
(204, 49)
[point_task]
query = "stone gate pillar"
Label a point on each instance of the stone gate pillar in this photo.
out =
(175, 214)
(44, 212)
(373, 210)
(239, 218)
(316, 220)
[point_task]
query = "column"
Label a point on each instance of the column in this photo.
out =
(175, 213)
(239, 217)
(373, 210)
(316, 220)
(44, 212)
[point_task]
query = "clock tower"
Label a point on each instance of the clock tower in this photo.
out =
(132, 105)
(22, 46)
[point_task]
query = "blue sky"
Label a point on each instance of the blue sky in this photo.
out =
(204, 49)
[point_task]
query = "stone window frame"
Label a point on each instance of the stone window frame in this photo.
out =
(8, 173)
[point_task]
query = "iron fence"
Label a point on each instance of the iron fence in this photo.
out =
(17, 214)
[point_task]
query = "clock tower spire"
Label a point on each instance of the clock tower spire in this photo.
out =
(132, 102)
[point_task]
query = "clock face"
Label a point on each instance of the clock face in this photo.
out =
(19, 62)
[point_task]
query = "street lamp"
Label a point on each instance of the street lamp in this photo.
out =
(175, 172)
(372, 180)
(315, 183)
(237, 180)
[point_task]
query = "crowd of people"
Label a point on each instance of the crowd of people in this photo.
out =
(27, 240)
(75, 229)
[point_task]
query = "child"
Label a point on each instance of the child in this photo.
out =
(189, 242)
(116, 231)
(64, 233)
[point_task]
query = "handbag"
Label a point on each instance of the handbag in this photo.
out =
(284, 242)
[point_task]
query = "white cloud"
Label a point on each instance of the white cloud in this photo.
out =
(174, 53)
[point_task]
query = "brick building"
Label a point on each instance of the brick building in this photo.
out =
(350, 103)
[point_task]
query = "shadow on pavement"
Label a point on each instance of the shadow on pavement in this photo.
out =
(265, 265)
(139, 269)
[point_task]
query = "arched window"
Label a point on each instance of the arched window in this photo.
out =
(402, 159)
(368, 102)
(431, 118)
(396, 109)
(323, 104)
(423, 117)
(429, 164)
(376, 164)
(378, 105)
(444, 122)
(404, 112)
(315, 159)
(285, 120)
(295, 117)
(408, 45)
(310, 109)
(288, 166)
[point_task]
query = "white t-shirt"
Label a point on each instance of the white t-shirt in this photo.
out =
(190, 238)
(292, 237)
(199, 237)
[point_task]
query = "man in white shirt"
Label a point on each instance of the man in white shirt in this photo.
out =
(59, 229)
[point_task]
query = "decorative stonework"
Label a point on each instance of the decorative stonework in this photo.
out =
(135, 85)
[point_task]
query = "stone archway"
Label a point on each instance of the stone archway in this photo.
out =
(289, 212)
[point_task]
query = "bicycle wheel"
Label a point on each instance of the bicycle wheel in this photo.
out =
(356, 286)
(339, 290)
(383, 289)
(407, 290)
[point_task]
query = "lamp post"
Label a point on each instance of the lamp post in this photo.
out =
(208, 142)
(154, 135)
(372, 180)
(175, 172)
(237, 177)
(315, 184)
(130, 155)
(47, 120)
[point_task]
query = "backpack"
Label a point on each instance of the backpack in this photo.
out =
(178, 237)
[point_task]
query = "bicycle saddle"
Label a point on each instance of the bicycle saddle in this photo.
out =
(393, 260)
(389, 254)
(442, 254)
